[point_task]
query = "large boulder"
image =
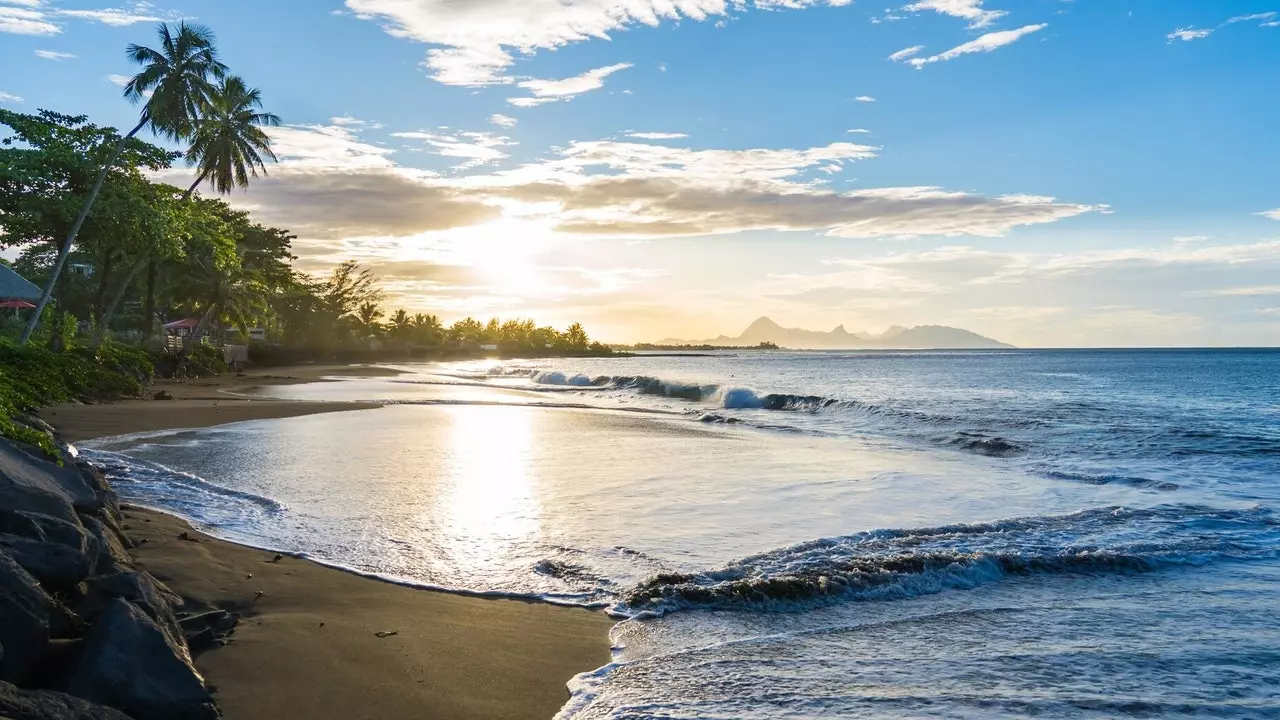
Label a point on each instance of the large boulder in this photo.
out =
(16, 704)
(146, 593)
(24, 621)
(129, 663)
(112, 553)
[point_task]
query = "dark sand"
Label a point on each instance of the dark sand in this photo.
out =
(201, 403)
(308, 647)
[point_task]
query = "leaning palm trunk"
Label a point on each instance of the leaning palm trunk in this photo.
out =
(201, 326)
(110, 311)
(133, 271)
(75, 230)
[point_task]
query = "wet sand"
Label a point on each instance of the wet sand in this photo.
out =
(309, 644)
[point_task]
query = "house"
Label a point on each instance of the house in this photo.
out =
(15, 287)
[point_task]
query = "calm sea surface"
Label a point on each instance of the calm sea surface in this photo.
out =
(805, 535)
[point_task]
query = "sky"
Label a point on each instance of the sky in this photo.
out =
(1045, 172)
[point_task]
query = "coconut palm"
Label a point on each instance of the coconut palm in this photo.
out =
(228, 145)
(175, 83)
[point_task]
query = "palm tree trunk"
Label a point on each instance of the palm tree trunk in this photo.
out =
(149, 307)
(150, 304)
(194, 337)
(109, 312)
(75, 230)
(100, 295)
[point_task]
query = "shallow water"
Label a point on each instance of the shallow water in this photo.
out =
(1003, 534)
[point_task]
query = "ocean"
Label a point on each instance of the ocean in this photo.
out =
(991, 534)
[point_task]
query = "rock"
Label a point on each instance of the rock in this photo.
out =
(31, 484)
(129, 663)
(145, 592)
(59, 553)
(112, 555)
(24, 631)
(162, 395)
(16, 704)
(97, 483)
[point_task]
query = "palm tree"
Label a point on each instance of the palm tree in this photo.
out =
(228, 145)
(175, 82)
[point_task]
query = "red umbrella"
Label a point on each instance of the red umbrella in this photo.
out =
(16, 305)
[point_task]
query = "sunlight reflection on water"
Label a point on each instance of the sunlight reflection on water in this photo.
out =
(488, 505)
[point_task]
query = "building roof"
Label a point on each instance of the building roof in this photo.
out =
(187, 324)
(15, 287)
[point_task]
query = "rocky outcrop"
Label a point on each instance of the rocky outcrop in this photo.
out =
(24, 634)
(84, 633)
(128, 662)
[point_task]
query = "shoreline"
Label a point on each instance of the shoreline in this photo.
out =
(308, 644)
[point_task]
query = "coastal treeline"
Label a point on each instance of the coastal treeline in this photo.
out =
(119, 253)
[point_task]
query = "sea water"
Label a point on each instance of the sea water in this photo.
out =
(952, 534)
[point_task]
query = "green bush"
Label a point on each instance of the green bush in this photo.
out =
(34, 376)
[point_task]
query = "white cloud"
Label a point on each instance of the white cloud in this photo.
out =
(354, 123)
(117, 17)
(474, 148)
(986, 43)
(657, 135)
(1188, 34)
(546, 91)
(865, 99)
(1258, 290)
(609, 188)
(1265, 19)
(326, 147)
(860, 131)
(53, 55)
(10, 98)
(1273, 214)
(26, 20)
(1251, 18)
(970, 10)
(474, 41)
(905, 53)
(120, 80)
(501, 120)
(330, 183)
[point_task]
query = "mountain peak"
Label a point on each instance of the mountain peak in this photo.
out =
(763, 323)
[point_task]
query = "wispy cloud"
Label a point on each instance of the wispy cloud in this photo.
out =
(501, 120)
(657, 135)
(970, 10)
(905, 53)
(984, 44)
(473, 148)
(53, 55)
(1187, 34)
(865, 99)
(476, 40)
(118, 17)
(1253, 291)
(10, 98)
(120, 80)
(860, 131)
(1273, 214)
(549, 91)
(27, 19)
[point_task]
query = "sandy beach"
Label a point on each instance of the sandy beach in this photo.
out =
(309, 645)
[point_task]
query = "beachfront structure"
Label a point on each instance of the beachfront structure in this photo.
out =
(15, 287)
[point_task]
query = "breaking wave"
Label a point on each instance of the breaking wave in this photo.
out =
(890, 564)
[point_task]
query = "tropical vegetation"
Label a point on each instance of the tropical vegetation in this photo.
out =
(119, 252)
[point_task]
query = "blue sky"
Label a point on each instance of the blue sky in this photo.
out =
(1050, 173)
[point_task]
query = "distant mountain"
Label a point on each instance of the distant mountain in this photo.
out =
(921, 337)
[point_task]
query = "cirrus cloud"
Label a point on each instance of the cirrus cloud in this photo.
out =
(474, 41)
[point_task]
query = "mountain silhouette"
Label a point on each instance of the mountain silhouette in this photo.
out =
(921, 337)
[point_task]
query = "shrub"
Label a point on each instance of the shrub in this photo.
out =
(34, 376)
